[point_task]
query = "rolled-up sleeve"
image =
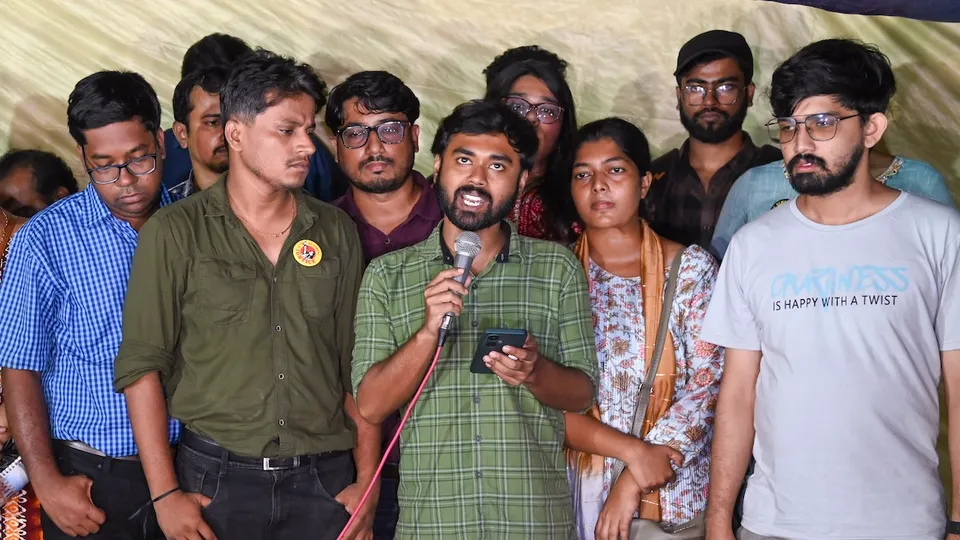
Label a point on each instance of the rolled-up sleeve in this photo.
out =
(152, 308)
(375, 341)
(27, 308)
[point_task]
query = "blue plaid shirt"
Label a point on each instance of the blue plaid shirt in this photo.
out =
(61, 307)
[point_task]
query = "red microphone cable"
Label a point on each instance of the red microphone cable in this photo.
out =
(396, 436)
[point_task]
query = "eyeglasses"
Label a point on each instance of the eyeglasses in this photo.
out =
(724, 93)
(820, 127)
(546, 112)
(109, 174)
(388, 132)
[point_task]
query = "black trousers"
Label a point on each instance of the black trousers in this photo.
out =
(249, 503)
(119, 489)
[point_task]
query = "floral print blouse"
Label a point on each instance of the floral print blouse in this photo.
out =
(617, 305)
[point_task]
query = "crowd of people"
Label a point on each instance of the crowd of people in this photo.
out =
(217, 337)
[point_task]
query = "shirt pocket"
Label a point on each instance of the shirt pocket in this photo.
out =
(318, 288)
(226, 290)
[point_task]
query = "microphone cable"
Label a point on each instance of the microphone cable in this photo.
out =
(396, 436)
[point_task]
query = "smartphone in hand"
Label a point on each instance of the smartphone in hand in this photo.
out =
(493, 340)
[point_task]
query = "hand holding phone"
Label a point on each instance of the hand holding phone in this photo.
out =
(493, 341)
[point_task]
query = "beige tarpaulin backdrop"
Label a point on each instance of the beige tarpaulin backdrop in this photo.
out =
(622, 54)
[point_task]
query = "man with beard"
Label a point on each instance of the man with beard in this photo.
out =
(849, 295)
(483, 453)
(242, 324)
(714, 89)
(197, 127)
(373, 116)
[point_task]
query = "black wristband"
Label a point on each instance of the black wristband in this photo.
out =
(161, 497)
(151, 503)
(953, 527)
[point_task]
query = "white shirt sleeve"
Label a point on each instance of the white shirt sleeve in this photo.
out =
(948, 312)
(730, 321)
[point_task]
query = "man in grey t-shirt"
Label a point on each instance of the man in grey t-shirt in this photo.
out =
(850, 295)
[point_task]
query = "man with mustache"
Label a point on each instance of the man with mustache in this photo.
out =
(840, 315)
(373, 116)
(61, 302)
(483, 453)
(197, 127)
(714, 89)
(242, 325)
(324, 181)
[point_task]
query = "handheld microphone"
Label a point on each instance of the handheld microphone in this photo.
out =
(467, 247)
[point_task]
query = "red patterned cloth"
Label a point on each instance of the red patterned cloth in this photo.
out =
(527, 214)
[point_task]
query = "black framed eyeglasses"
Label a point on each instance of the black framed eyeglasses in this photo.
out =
(108, 174)
(391, 132)
(820, 127)
(723, 93)
(546, 112)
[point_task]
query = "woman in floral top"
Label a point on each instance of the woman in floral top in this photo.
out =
(532, 82)
(20, 516)
(627, 265)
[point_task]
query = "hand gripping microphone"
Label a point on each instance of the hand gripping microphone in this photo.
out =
(467, 247)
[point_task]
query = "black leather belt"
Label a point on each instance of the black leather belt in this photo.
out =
(206, 446)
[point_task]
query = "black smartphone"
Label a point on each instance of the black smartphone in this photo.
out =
(494, 339)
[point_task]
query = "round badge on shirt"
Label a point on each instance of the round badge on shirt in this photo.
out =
(307, 253)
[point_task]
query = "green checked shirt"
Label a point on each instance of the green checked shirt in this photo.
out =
(480, 458)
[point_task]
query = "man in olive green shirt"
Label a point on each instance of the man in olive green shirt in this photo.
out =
(482, 456)
(241, 316)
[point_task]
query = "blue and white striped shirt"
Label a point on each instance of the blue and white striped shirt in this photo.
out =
(61, 307)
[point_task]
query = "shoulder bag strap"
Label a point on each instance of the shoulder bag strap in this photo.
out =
(647, 385)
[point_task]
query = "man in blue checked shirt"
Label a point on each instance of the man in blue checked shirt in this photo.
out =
(61, 302)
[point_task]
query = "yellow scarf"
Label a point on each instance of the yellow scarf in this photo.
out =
(652, 272)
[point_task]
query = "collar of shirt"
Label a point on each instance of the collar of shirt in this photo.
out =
(435, 248)
(219, 206)
(186, 188)
(426, 206)
(95, 210)
(739, 164)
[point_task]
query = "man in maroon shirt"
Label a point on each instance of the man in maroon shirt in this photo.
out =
(373, 117)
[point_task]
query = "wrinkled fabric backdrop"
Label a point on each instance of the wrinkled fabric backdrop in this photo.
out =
(621, 53)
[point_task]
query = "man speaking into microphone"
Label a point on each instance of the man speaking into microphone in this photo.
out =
(482, 454)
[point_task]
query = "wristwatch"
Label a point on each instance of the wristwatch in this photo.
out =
(953, 527)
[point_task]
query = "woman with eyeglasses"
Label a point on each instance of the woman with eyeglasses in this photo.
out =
(20, 516)
(532, 82)
(628, 266)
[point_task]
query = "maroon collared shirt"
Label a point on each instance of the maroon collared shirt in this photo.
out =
(423, 218)
(421, 222)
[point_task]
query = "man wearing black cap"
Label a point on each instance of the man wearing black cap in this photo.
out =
(714, 88)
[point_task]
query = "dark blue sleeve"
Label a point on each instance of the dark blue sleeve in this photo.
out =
(176, 164)
(325, 180)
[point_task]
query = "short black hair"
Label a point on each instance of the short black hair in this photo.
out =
(263, 78)
(50, 173)
(628, 137)
(859, 76)
(210, 79)
(486, 117)
(214, 50)
(108, 97)
(377, 92)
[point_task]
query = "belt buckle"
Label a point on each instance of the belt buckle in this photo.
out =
(268, 466)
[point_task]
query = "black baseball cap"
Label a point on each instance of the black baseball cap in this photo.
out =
(729, 44)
